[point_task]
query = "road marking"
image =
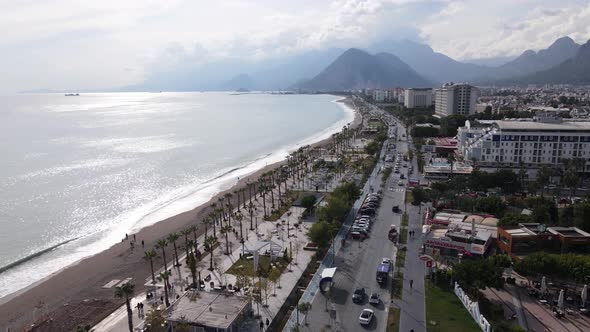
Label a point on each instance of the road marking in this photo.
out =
(111, 283)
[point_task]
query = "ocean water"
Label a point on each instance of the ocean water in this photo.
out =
(86, 170)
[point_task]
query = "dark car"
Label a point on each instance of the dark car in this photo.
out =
(395, 209)
(358, 296)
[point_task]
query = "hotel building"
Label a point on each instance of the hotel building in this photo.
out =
(455, 98)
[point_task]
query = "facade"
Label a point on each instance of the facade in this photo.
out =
(455, 98)
(379, 96)
(543, 140)
(524, 239)
(417, 98)
(459, 238)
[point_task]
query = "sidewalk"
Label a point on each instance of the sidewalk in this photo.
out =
(181, 276)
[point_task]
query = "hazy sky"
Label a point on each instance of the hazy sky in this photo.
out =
(69, 44)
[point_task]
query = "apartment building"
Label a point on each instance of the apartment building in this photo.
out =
(417, 98)
(456, 98)
(543, 140)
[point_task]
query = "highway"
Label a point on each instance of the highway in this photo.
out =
(357, 262)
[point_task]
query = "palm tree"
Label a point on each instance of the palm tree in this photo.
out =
(251, 211)
(193, 229)
(206, 221)
(172, 237)
(230, 209)
(126, 291)
(165, 276)
(161, 244)
(262, 188)
(239, 218)
(192, 265)
(237, 193)
(243, 191)
(214, 220)
(186, 232)
(149, 256)
(210, 246)
(226, 230)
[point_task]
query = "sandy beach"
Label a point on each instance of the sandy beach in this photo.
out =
(78, 288)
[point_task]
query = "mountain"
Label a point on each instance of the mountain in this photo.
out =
(241, 81)
(430, 64)
(357, 69)
(491, 62)
(572, 71)
(530, 61)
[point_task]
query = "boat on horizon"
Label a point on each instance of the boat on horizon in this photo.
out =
(72, 94)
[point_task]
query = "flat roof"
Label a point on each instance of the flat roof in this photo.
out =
(534, 125)
(568, 231)
(209, 309)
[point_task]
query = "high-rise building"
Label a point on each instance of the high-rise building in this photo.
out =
(417, 98)
(379, 96)
(456, 98)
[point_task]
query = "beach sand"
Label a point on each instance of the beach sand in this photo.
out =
(77, 290)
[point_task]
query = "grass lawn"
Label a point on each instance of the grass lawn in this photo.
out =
(409, 196)
(400, 259)
(393, 320)
(247, 265)
(397, 285)
(445, 312)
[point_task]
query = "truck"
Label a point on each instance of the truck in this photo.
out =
(383, 271)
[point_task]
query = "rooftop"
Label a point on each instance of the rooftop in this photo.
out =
(568, 231)
(544, 126)
(209, 309)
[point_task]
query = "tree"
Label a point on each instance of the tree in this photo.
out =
(476, 275)
(251, 212)
(308, 202)
(226, 230)
(319, 233)
(239, 217)
(275, 277)
(304, 308)
(210, 247)
(543, 176)
(512, 219)
(571, 179)
(172, 237)
(186, 232)
(149, 256)
(156, 321)
(164, 276)
(372, 148)
(126, 292)
(192, 265)
(161, 244)
(419, 195)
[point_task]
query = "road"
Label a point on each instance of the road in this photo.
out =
(357, 263)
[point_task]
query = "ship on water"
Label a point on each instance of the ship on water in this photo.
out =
(71, 94)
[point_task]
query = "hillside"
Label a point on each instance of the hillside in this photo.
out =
(356, 69)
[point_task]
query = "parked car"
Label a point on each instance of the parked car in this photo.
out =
(374, 299)
(395, 209)
(358, 295)
(366, 317)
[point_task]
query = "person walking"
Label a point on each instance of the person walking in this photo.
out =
(411, 283)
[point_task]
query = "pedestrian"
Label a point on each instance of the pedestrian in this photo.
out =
(411, 283)
(142, 244)
(267, 323)
(261, 326)
(133, 237)
(126, 236)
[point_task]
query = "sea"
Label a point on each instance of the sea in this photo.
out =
(78, 172)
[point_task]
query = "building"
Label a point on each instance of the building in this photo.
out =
(455, 98)
(209, 311)
(417, 98)
(543, 140)
(379, 96)
(458, 239)
(519, 241)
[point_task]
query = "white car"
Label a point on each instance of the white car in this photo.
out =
(374, 299)
(366, 316)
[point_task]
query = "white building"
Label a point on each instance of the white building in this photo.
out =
(544, 140)
(417, 98)
(379, 96)
(456, 98)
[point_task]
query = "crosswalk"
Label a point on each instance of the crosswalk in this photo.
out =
(397, 189)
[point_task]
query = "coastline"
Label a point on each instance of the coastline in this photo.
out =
(84, 279)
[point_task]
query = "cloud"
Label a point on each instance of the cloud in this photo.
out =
(71, 44)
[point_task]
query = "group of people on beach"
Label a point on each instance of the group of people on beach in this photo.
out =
(132, 243)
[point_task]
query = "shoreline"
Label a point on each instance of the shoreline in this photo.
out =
(83, 279)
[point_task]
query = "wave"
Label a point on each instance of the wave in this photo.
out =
(34, 255)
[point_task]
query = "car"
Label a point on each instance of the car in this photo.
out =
(358, 295)
(374, 299)
(405, 165)
(364, 216)
(401, 176)
(401, 183)
(361, 227)
(366, 317)
(396, 171)
(395, 209)
(385, 260)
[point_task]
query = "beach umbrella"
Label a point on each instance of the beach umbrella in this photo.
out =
(584, 294)
(560, 299)
(543, 285)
